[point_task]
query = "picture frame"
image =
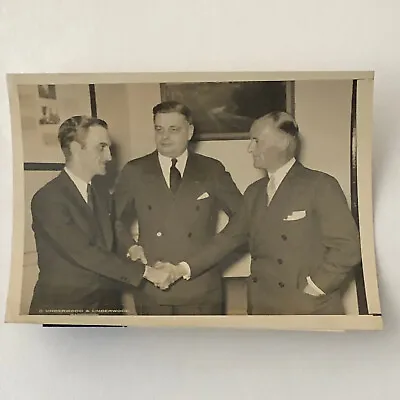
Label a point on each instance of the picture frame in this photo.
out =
(226, 110)
(359, 119)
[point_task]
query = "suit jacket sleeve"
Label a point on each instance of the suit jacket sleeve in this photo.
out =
(234, 233)
(125, 211)
(226, 191)
(340, 235)
(52, 219)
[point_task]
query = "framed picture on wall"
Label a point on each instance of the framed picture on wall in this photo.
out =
(293, 250)
(226, 110)
(47, 92)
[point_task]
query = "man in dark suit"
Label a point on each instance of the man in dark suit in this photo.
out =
(73, 231)
(303, 239)
(175, 195)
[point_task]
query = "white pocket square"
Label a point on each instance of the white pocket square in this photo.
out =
(295, 215)
(203, 196)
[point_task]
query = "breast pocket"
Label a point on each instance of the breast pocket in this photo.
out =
(298, 223)
(201, 207)
(197, 211)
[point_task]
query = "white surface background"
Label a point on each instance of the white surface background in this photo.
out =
(128, 36)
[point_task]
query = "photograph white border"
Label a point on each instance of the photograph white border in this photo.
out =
(364, 125)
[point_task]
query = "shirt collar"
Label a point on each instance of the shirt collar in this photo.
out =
(79, 182)
(281, 172)
(181, 161)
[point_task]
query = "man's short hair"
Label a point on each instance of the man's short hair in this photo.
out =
(285, 122)
(173, 106)
(75, 129)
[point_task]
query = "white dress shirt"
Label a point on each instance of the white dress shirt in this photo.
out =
(80, 184)
(165, 163)
(277, 178)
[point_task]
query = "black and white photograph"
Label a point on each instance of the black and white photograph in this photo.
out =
(226, 199)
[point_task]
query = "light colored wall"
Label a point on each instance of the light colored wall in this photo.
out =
(141, 99)
(323, 111)
(112, 106)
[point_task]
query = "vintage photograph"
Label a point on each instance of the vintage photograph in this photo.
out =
(237, 200)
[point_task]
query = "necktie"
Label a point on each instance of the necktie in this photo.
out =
(94, 206)
(271, 188)
(90, 197)
(174, 176)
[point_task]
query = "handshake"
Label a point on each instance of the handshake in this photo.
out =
(164, 274)
(161, 274)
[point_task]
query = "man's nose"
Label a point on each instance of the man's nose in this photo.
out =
(108, 156)
(165, 134)
(250, 147)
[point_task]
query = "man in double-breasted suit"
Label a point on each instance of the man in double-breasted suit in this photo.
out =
(302, 237)
(78, 272)
(175, 196)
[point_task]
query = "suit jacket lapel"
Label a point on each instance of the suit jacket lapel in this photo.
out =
(100, 221)
(72, 193)
(154, 178)
(192, 177)
(285, 190)
(279, 206)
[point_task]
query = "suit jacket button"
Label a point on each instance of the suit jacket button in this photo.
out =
(149, 207)
(280, 261)
(254, 279)
(190, 234)
(197, 208)
(284, 237)
(281, 284)
(159, 234)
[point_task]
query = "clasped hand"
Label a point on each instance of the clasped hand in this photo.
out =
(163, 274)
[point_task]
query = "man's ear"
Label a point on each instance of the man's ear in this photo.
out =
(191, 131)
(284, 142)
(74, 147)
